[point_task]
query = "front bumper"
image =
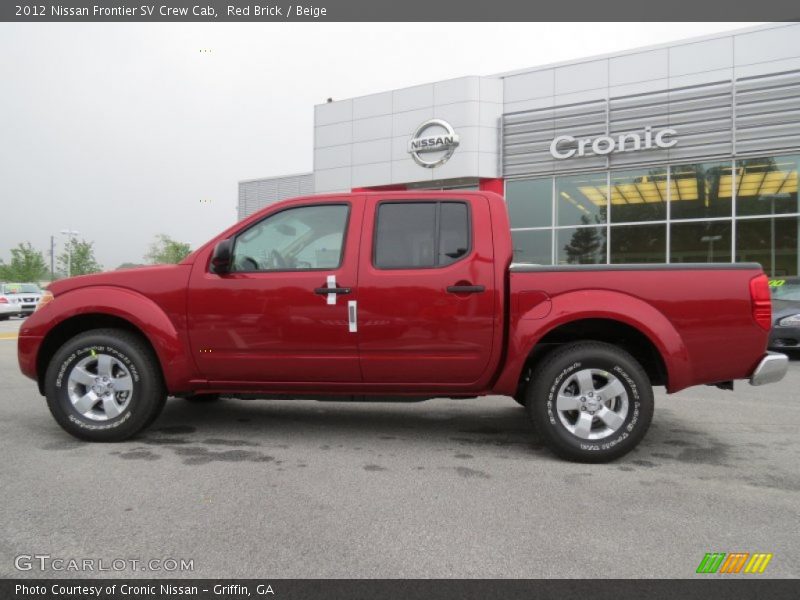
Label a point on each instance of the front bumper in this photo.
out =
(27, 351)
(772, 368)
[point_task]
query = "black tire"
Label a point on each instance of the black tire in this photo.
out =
(142, 406)
(5, 317)
(201, 398)
(560, 369)
(520, 399)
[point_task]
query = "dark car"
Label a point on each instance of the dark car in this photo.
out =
(785, 334)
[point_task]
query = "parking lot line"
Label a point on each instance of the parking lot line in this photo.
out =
(8, 336)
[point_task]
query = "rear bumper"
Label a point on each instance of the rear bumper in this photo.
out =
(772, 368)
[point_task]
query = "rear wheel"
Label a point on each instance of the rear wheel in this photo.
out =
(590, 401)
(104, 385)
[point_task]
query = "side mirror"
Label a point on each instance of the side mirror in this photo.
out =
(221, 258)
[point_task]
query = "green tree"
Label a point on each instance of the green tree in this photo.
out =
(129, 265)
(587, 245)
(165, 250)
(83, 261)
(27, 264)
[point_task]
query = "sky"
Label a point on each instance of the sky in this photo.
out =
(125, 131)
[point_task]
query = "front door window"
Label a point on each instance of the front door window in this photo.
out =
(297, 239)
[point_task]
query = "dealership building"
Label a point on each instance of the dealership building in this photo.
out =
(684, 152)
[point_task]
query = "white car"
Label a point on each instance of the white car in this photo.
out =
(18, 299)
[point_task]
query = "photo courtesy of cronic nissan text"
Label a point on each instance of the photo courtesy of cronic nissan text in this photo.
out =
(399, 300)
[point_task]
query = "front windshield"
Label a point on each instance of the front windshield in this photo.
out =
(785, 290)
(21, 288)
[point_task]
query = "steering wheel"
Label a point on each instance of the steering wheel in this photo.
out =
(247, 263)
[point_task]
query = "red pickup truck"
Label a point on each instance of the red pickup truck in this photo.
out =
(396, 296)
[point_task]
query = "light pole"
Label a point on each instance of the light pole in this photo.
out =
(70, 233)
(710, 239)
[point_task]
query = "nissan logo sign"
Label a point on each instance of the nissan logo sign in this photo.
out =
(566, 146)
(433, 143)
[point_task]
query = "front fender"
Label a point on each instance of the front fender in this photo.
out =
(526, 329)
(169, 342)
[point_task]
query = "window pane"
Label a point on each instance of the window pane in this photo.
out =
(767, 186)
(308, 237)
(701, 190)
(530, 202)
(533, 246)
(454, 236)
(582, 245)
(633, 244)
(639, 195)
(582, 199)
(405, 235)
(322, 253)
(771, 242)
(700, 242)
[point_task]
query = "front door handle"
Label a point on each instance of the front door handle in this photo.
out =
(465, 289)
(324, 291)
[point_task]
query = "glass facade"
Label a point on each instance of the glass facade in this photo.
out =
(743, 210)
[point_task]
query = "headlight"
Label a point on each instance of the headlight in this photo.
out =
(790, 321)
(47, 297)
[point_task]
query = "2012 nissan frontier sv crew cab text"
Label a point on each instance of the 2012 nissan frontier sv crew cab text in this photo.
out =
(396, 296)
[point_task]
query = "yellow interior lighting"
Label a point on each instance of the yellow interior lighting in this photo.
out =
(752, 180)
(595, 195)
(633, 191)
(764, 180)
(574, 202)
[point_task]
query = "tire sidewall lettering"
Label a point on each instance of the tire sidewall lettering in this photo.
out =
(63, 376)
(624, 432)
(553, 391)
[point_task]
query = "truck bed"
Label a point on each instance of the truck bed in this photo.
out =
(698, 315)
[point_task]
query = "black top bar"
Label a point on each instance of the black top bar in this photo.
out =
(390, 10)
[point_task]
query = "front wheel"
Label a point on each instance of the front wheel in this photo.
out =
(590, 402)
(104, 385)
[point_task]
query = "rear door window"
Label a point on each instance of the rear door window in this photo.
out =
(421, 235)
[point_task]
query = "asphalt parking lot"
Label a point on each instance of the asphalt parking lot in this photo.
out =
(436, 489)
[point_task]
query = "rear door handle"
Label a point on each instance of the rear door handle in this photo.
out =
(324, 291)
(465, 289)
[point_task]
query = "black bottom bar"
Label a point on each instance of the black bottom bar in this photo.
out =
(388, 589)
